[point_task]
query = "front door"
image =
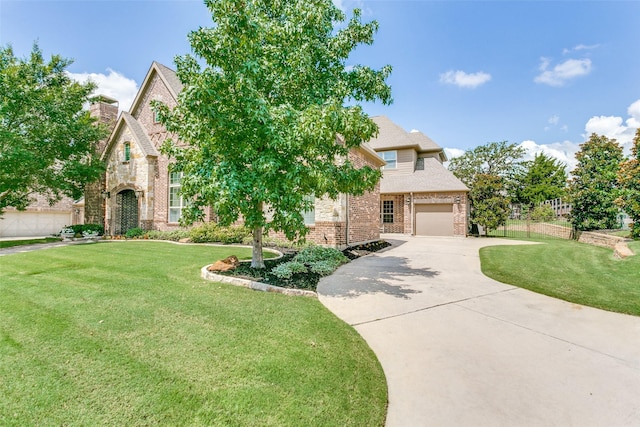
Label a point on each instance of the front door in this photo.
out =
(126, 211)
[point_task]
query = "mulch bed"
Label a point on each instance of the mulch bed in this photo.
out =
(307, 280)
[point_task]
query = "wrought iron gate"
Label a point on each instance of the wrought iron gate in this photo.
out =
(126, 211)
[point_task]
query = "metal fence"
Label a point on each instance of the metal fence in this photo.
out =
(523, 222)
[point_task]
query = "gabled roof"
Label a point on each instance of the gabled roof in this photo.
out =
(392, 137)
(433, 178)
(139, 135)
(166, 74)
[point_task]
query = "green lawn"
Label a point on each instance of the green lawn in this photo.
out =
(126, 333)
(571, 271)
(10, 243)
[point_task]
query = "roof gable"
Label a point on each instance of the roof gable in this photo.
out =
(168, 77)
(140, 137)
(393, 137)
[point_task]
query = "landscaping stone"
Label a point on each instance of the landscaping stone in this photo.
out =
(227, 264)
(622, 251)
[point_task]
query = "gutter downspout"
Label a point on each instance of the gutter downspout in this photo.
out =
(346, 237)
(413, 213)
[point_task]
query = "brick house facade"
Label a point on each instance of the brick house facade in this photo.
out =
(139, 191)
(418, 195)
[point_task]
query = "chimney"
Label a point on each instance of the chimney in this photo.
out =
(106, 110)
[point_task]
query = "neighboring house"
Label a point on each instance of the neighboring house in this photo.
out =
(418, 195)
(139, 191)
(40, 219)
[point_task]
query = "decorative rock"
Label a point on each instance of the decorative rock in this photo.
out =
(229, 263)
(621, 250)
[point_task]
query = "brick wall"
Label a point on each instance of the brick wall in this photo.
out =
(94, 204)
(399, 220)
(364, 211)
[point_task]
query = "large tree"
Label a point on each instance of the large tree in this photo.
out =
(494, 158)
(629, 181)
(257, 126)
(543, 178)
(47, 139)
(593, 188)
(489, 171)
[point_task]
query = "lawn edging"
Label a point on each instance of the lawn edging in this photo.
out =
(256, 286)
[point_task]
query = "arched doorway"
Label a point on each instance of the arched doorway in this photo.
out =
(126, 216)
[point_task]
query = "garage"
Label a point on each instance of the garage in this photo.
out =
(434, 219)
(28, 224)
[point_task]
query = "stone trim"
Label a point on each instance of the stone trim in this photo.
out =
(256, 286)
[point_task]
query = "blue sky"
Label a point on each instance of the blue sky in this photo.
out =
(544, 74)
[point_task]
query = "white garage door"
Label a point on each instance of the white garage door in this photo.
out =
(434, 220)
(29, 224)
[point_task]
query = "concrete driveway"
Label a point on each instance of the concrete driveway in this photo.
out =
(460, 349)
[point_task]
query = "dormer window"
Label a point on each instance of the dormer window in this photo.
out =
(127, 151)
(391, 157)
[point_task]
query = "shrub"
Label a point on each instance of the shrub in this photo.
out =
(173, 235)
(322, 268)
(133, 233)
(212, 232)
(313, 254)
(81, 229)
(542, 213)
(287, 269)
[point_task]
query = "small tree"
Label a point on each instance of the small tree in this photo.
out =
(490, 204)
(260, 122)
(629, 181)
(46, 138)
(594, 186)
(544, 178)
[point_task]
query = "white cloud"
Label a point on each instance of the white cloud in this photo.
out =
(465, 80)
(553, 120)
(114, 85)
(453, 152)
(616, 127)
(580, 47)
(562, 73)
(564, 151)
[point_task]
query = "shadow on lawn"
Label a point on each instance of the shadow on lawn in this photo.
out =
(372, 275)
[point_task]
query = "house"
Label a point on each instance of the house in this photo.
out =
(40, 218)
(139, 191)
(418, 195)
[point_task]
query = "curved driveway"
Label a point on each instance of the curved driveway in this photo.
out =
(460, 349)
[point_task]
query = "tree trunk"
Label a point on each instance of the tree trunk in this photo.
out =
(256, 259)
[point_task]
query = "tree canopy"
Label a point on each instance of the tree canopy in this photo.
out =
(629, 181)
(543, 178)
(490, 205)
(593, 188)
(47, 140)
(494, 158)
(489, 170)
(257, 124)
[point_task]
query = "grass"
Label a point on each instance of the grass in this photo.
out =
(10, 243)
(126, 333)
(571, 271)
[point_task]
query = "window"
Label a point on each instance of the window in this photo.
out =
(127, 151)
(387, 211)
(310, 215)
(176, 202)
(391, 157)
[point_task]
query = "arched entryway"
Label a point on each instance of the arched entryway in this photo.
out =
(126, 215)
